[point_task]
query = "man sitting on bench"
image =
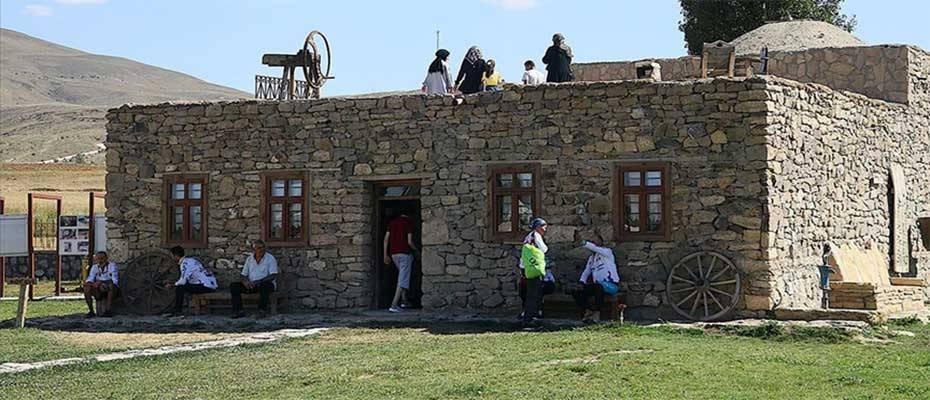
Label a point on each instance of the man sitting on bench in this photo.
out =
(258, 276)
(600, 271)
(102, 283)
(195, 279)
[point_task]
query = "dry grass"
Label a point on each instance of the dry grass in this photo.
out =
(133, 340)
(72, 182)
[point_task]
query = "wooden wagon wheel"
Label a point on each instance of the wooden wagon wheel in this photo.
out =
(313, 71)
(703, 286)
(143, 283)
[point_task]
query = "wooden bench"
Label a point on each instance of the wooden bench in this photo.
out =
(563, 304)
(221, 299)
(203, 303)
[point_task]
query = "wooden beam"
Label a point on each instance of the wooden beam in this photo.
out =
(281, 60)
(23, 304)
(42, 196)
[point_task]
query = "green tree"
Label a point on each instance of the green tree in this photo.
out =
(709, 20)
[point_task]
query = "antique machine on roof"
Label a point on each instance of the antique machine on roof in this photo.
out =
(310, 59)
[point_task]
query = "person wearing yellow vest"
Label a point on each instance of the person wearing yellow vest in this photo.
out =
(492, 79)
(533, 266)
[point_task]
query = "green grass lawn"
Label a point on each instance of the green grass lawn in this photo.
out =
(31, 345)
(42, 308)
(45, 288)
(454, 362)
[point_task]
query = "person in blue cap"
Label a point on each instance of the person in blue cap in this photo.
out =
(533, 303)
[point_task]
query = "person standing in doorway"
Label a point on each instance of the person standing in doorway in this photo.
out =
(102, 283)
(258, 276)
(558, 60)
(533, 303)
(399, 249)
(194, 279)
(438, 80)
(471, 71)
(532, 76)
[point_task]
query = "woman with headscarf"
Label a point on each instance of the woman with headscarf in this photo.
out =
(558, 60)
(472, 70)
(438, 80)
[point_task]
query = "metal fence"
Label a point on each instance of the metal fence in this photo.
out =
(272, 88)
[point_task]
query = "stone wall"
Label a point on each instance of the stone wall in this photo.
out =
(918, 78)
(711, 133)
(45, 266)
(879, 72)
(673, 69)
(830, 154)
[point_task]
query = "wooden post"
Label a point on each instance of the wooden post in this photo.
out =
(91, 233)
(24, 290)
(704, 64)
(25, 286)
(291, 83)
(731, 63)
(2, 260)
(57, 248)
(31, 258)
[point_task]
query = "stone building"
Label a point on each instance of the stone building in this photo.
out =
(763, 170)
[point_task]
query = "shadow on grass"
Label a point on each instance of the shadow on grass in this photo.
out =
(224, 324)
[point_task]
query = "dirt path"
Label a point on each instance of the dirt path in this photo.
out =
(258, 338)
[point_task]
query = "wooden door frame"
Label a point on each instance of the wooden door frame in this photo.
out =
(377, 225)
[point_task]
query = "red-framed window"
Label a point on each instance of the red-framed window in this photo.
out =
(284, 208)
(186, 210)
(643, 203)
(514, 199)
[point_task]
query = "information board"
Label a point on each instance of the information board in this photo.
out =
(14, 235)
(74, 235)
(100, 233)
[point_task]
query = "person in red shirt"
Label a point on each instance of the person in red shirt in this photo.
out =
(399, 249)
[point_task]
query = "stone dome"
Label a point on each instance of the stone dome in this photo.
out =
(794, 36)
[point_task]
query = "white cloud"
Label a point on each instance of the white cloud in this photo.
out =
(38, 10)
(79, 2)
(513, 5)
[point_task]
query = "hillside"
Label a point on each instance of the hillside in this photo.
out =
(53, 98)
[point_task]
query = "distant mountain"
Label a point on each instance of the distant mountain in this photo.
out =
(53, 99)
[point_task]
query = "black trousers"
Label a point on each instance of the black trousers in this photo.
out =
(181, 290)
(264, 289)
(533, 302)
(548, 287)
(583, 298)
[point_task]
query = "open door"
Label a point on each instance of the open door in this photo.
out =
(392, 199)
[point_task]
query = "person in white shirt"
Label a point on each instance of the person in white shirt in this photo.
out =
(102, 283)
(258, 276)
(532, 304)
(438, 80)
(601, 267)
(194, 279)
(532, 76)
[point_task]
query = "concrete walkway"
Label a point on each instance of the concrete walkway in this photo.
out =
(258, 338)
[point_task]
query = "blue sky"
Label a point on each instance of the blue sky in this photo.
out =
(387, 45)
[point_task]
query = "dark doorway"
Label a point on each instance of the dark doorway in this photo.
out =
(391, 200)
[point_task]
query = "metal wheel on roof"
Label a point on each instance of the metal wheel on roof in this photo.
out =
(703, 286)
(143, 283)
(313, 68)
